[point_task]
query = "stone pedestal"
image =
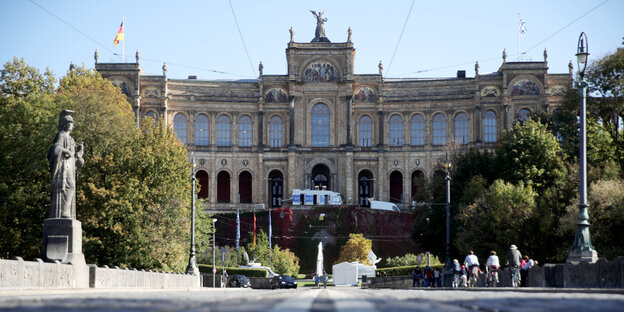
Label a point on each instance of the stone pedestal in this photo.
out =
(62, 241)
(578, 256)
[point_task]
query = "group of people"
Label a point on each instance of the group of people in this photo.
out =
(429, 277)
(471, 266)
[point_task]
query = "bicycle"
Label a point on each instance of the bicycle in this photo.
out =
(473, 277)
(515, 277)
(492, 277)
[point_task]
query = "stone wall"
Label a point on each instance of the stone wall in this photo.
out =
(105, 277)
(20, 274)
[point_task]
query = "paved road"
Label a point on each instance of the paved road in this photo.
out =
(309, 299)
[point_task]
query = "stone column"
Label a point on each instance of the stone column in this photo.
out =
(349, 113)
(381, 130)
(291, 175)
(260, 131)
(478, 124)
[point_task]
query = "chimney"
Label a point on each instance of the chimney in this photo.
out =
(195, 77)
(461, 74)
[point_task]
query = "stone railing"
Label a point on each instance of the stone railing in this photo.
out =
(20, 274)
(105, 277)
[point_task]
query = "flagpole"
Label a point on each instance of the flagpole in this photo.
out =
(519, 32)
(123, 44)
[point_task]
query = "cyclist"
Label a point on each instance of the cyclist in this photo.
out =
(472, 266)
(514, 259)
(491, 267)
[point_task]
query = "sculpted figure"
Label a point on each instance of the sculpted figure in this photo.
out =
(320, 26)
(64, 157)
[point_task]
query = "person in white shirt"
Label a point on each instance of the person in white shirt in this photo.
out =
(492, 265)
(471, 260)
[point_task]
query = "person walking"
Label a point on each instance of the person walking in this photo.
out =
(514, 259)
(436, 277)
(524, 272)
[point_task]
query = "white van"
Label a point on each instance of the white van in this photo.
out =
(382, 205)
(315, 197)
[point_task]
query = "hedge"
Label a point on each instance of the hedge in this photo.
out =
(207, 269)
(403, 271)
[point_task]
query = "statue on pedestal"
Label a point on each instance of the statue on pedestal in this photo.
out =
(319, 33)
(62, 233)
(64, 156)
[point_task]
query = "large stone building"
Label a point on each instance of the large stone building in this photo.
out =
(321, 125)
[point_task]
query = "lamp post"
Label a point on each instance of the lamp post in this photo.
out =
(447, 165)
(192, 265)
(582, 249)
(214, 268)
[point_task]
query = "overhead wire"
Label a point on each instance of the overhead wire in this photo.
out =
(512, 55)
(400, 36)
(242, 39)
(103, 46)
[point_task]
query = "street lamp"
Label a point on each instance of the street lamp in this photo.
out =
(192, 265)
(447, 166)
(214, 268)
(582, 250)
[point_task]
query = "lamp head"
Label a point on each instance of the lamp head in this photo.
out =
(582, 53)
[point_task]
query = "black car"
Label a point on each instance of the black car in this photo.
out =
(239, 281)
(283, 281)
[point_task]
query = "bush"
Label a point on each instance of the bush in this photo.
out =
(412, 260)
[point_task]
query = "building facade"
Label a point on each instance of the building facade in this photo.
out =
(321, 125)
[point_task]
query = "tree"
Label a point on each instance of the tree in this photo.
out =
(497, 218)
(28, 122)
(356, 249)
(606, 212)
(283, 261)
(531, 154)
(133, 191)
(606, 79)
(410, 259)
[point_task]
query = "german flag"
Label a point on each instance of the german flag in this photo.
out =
(120, 34)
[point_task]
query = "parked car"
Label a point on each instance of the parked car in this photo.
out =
(283, 281)
(239, 281)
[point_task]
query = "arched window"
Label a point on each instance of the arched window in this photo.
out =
(461, 128)
(320, 125)
(489, 127)
(202, 132)
(179, 125)
(417, 131)
(275, 131)
(245, 131)
(396, 187)
(244, 187)
(202, 180)
(396, 130)
(366, 131)
(223, 187)
(223, 131)
(523, 114)
(365, 188)
(439, 129)
(276, 185)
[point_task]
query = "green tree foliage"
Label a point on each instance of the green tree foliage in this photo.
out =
(356, 249)
(606, 212)
(133, 193)
(410, 259)
(231, 260)
(17, 79)
(531, 154)
(283, 261)
(497, 218)
(606, 79)
(28, 122)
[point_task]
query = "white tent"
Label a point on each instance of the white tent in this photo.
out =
(345, 273)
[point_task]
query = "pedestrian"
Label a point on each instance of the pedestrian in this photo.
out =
(428, 277)
(524, 273)
(436, 276)
(414, 278)
(514, 259)
(463, 278)
(224, 278)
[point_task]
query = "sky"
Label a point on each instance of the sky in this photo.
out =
(226, 39)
